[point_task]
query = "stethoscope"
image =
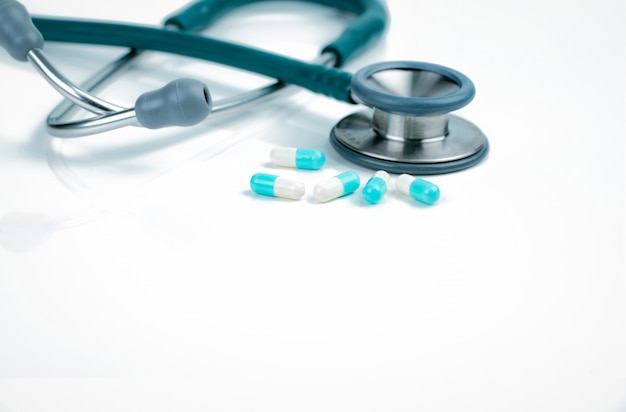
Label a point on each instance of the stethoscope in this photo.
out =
(410, 129)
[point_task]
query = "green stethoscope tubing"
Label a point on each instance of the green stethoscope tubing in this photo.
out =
(371, 21)
(407, 133)
(332, 82)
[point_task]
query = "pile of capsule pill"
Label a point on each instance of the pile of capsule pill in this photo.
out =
(341, 185)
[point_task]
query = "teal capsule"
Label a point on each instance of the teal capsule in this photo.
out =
(419, 189)
(276, 186)
(340, 185)
(300, 158)
(376, 187)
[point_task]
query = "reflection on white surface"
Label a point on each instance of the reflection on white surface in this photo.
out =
(22, 232)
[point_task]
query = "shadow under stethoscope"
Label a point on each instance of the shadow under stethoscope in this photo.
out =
(23, 231)
(107, 172)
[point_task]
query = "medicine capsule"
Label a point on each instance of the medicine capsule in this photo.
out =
(419, 189)
(276, 186)
(376, 187)
(311, 159)
(340, 185)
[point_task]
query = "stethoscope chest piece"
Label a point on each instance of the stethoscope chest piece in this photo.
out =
(410, 129)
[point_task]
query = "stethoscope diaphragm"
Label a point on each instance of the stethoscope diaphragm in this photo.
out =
(410, 129)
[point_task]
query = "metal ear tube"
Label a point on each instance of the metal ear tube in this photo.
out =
(182, 102)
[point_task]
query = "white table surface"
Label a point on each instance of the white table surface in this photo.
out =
(139, 272)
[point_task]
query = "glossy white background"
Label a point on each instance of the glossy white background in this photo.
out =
(138, 271)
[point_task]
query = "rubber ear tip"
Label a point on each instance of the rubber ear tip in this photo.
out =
(182, 102)
(18, 34)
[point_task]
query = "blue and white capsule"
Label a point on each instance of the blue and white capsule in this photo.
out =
(276, 186)
(299, 158)
(419, 189)
(341, 185)
(376, 187)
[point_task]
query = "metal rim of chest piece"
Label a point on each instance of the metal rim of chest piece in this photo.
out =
(410, 129)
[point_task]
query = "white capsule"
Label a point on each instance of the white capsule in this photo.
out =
(419, 189)
(300, 158)
(376, 187)
(276, 186)
(340, 185)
